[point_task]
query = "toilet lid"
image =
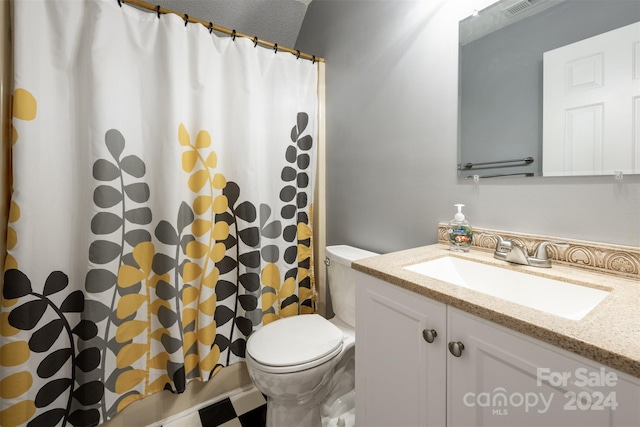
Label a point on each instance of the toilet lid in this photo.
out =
(294, 340)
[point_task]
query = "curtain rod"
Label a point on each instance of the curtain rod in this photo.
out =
(210, 26)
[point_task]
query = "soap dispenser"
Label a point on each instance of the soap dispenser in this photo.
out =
(460, 232)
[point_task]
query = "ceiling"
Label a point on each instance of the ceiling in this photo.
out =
(276, 21)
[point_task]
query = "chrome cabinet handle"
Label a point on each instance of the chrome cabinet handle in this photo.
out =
(456, 348)
(429, 335)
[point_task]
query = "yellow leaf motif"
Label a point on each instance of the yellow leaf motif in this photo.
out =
(189, 160)
(271, 276)
(208, 307)
(15, 385)
(210, 360)
(158, 333)
(129, 330)
(155, 306)
(14, 212)
(189, 339)
(129, 400)
(212, 278)
(191, 271)
(268, 299)
(221, 230)
(183, 136)
(290, 310)
(129, 354)
(219, 181)
(160, 361)
(202, 204)
(143, 254)
(25, 106)
(304, 252)
(200, 227)
(207, 335)
(190, 362)
(218, 252)
(12, 238)
(129, 379)
(17, 414)
(14, 353)
(188, 315)
(220, 204)
(129, 304)
(304, 293)
(288, 288)
(158, 384)
(304, 232)
(198, 180)
(212, 160)
(189, 294)
(196, 249)
(303, 273)
(269, 317)
(203, 139)
(129, 276)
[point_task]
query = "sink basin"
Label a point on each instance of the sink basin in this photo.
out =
(563, 299)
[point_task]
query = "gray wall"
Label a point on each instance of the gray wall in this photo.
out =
(392, 138)
(501, 79)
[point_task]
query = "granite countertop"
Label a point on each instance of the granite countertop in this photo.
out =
(609, 334)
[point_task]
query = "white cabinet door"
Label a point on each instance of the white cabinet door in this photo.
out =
(400, 377)
(504, 378)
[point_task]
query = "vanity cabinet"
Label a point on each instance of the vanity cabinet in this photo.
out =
(497, 377)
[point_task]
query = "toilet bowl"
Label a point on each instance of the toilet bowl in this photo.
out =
(305, 364)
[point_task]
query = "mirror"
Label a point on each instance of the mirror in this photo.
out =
(501, 85)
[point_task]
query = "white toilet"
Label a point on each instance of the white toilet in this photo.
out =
(305, 364)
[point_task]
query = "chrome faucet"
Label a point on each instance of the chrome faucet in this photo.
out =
(510, 251)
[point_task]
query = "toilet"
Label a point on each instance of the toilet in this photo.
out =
(305, 364)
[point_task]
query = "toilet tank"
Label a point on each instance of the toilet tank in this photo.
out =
(341, 280)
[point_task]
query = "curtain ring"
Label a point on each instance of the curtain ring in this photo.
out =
(275, 48)
(120, 3)
(158, 11)
(210, 27)
(314, 59)
(297, 54)
(255, 41)
(186, 19)
(233, 35)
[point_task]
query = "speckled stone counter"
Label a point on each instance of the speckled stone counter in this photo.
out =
(609, 334)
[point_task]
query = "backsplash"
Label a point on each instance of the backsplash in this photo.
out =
(599, 257)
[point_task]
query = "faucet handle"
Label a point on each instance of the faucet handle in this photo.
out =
(541, 250)
(502, 245)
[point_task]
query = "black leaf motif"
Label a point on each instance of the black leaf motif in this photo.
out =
(288, 193)
(238, 347)
(190, 327)
(222, 315)
(265, 213)
(162, 264)
(56, 281)
(288, 174)
(166, 233)
(248, 302)
(85, 329)
(134, 166)
(134, 237)
(270, 253)
(128, 259)
(26, 316)
(104, 170)
(224, 289)
(43, 338)
(244, 325)
(115, 142)
(103, 251)
(302, 200)
(96, 311)
(179, 379)
(53, 362)
(290, 233)
(51, 391)
(302, 120)
(73, 303)
(303, 180)
(89, 393)
(304, 161)
(226, 265)
(291, 153)
(225, 217)
(250, 281)
(303, 217)
(16, 284)
(246, 211)
(230, 242)
(165, 290)
(140, 216)
(293, 299)
(105, 223)
(170, 344)
(167, 317)
(288, 211)
(272, 230)
(99, 280)
(222, 342)
(185, 216)
(84, 417)
(290, 254)
(250, 259)
(49, 418)
(88, 359)
(305, 143)
(291, 274)
(231, 192)
(294, 134)
(250, 236)
(138, 192)
(105, 196)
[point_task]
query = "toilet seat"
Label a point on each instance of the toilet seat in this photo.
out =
(295, 343)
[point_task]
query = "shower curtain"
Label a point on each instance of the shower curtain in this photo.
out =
(161, 206)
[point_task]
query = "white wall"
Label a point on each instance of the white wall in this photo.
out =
(392, 137)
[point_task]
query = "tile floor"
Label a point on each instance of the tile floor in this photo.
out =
(245, 409)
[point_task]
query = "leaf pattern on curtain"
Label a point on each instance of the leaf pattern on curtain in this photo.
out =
(179, 300)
